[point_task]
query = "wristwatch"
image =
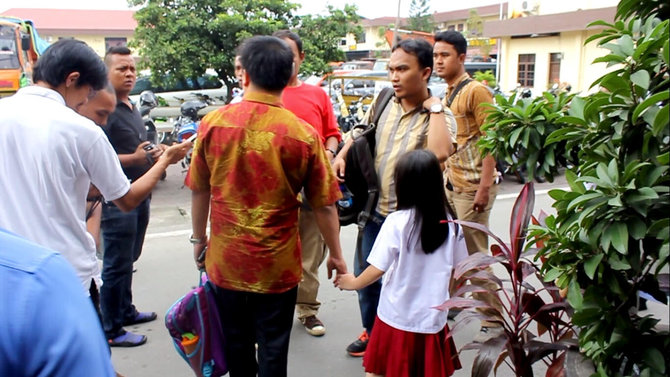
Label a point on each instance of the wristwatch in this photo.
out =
(436, 108)
(197, 241)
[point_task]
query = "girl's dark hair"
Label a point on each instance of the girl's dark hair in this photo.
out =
(419, 185)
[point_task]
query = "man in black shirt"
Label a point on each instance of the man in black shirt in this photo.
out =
(123, 233)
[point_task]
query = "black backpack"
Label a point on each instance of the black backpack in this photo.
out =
(360, 176)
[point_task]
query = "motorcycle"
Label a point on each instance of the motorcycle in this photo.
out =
(186, 125)
(148, 101)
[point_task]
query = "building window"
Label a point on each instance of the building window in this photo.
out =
(526, 75)
(360, 38)
(451, 27)
(115, 42)
(460, 27)
(554, 68)
(343, 42)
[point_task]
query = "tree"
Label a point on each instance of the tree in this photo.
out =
(186, 37)
(420, 18)
(475, 34)
(321, 35)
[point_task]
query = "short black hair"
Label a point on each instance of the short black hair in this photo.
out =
(419, 48)
(67, 56)
(268, 61)
(287, 34)
(455, 39)
(116, 50)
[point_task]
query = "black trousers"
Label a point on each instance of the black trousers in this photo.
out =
(248, 318)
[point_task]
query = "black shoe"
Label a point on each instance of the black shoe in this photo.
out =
(357, 348)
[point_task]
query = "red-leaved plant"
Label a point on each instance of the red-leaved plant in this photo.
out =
(521, 301)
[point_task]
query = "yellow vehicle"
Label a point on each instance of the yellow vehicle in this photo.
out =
(20, 46)
(363, 85)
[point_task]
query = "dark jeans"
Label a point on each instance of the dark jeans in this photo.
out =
(265, 319)
(368, 297)
(123, 236)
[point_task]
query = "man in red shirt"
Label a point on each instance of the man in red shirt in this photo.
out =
(311, 104)
(251, 160)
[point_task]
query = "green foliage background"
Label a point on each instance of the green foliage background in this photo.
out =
(186, 37)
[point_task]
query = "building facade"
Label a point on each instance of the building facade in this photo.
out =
(100, 29)
(543, 43)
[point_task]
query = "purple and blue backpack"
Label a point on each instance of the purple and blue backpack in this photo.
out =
(194, 325)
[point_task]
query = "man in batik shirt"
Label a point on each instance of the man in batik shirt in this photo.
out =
(251, 160)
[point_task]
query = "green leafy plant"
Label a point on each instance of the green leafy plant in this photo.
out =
(609, 237)
(487, 76)
(516, 130)
(522, 303)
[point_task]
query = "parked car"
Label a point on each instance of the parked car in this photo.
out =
(173, 92)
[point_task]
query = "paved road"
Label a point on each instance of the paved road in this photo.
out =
(166, 271)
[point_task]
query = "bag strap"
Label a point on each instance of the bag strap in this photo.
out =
(382, 100)
(456, 90)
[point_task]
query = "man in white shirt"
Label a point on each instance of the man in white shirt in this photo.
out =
(50, 155)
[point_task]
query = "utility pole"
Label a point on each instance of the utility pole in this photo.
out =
(499, 43)
(395, 30)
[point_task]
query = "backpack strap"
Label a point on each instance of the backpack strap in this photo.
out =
(456, 90)
(382, 100)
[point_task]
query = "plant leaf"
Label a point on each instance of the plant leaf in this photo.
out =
(591, 265)
(619, 236)
(641, 79)
(488, 354)
(575, 297)
(520, 218)
(475, 261)
(556, 368)
(658, 97)
(538, 349)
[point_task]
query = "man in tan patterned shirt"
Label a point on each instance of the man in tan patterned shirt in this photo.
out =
(469, 176)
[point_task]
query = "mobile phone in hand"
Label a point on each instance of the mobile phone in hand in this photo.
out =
(149, 147)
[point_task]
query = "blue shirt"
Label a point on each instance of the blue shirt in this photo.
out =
(48, 327)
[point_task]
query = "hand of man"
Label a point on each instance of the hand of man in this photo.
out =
(430, 102)
(199, 255)
(339, 165)
(337, 264)
(155, 152)
(176, 152)
(481, 200)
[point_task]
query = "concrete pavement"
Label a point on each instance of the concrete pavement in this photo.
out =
(166, 271)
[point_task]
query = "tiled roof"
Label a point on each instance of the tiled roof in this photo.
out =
(79, 20)
(464, 14)
(381, 21)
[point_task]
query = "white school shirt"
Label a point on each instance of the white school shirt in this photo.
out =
(414, 282)
(49, 155)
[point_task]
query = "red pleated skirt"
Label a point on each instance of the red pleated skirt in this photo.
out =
(396, 353)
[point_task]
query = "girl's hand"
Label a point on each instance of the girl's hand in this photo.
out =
(345, 281)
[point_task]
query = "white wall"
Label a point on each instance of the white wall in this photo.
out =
(576, 66)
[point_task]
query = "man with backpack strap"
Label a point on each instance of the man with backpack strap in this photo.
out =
(411, 119)
(469, 176)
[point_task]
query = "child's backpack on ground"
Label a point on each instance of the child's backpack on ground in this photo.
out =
(360, 176)
(194, 325)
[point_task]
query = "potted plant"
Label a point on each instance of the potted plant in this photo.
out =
(516, 131)
(609, 237)
(529, 306)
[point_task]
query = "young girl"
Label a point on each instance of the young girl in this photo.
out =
(416, 250)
